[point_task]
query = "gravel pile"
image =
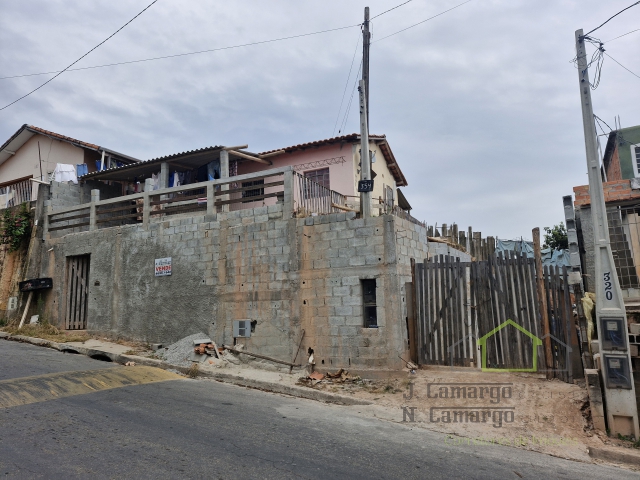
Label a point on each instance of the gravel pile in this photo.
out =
(179, 352)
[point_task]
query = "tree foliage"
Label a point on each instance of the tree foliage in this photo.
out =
(16, 227)
(556, 237)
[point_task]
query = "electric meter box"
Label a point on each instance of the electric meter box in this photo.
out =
(614, 333)
(618, 373)
(242, 328)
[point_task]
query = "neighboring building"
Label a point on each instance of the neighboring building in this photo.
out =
(274, 243)
(622, 199)
(622, 154)
(33, 153)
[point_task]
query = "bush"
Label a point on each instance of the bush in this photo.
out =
(16, 227)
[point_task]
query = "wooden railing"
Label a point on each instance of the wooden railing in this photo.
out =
(312, 198)
(237, 193)
(15, 194)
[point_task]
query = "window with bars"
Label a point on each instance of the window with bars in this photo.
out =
(252, 192)
(369, 303)
(635, 149)
(319, 176)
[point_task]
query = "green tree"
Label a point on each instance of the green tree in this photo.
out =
(16, 226)
(556, 237)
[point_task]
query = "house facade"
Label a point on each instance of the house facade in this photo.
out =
(267, 247)
(622, 154)
(31, 155)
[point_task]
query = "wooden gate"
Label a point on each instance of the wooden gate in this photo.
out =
(458, 303)
(77, 292)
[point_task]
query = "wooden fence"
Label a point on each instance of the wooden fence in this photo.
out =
(458, 303)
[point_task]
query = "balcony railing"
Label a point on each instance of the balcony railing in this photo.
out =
(312, 198)
(15, 194)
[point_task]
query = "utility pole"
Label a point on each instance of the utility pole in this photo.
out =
(366, 42)
(611, 317)
(365, 186)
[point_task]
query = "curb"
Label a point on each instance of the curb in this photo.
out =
(615, 456)
(298, 392)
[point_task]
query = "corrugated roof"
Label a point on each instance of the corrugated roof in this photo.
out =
(393, 166)
(140, 168)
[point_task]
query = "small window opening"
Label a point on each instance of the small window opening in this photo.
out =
(369, 303)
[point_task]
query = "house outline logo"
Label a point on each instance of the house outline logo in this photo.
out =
(568, 350)
(482, 342)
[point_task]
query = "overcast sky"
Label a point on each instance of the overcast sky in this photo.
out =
(480, 105)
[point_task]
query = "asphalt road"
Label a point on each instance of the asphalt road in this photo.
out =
(140, 425)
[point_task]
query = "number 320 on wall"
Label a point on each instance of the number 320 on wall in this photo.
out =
(608, 287)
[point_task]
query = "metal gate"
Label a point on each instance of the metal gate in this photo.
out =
(77, 292)
(464, 310)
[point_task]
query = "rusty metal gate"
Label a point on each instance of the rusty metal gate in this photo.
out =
(464, 310)
(77, 292)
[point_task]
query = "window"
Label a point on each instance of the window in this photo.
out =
(369, 303)
(253, 192)
(319, 176)
(635, 156)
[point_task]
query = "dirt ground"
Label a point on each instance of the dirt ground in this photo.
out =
(517, 409)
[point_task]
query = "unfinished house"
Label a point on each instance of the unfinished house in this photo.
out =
(256, 249)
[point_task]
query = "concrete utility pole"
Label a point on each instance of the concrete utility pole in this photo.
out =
(366, 42)
(365, 161)
(611, 317)
(365, 186)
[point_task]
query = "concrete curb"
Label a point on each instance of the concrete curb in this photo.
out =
(616, 456)
(273, 387)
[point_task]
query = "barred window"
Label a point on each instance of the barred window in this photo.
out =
(253, 192)
(319, 176)
(369, 303)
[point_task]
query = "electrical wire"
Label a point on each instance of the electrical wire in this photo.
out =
(387, 11)
(597, 57)
(346, 85)
(62, 71)
(622, 65)
(186, 54)
(423, 21)
(611, 18)
(623, 35)
(348, 109)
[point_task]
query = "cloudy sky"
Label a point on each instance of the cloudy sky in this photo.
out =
(480, 105)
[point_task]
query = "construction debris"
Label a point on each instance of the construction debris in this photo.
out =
(316, 376)
(130, 364)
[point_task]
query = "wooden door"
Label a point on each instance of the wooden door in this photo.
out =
(77, 292)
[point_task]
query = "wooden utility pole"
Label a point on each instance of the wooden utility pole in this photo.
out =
(542, 303)
(611, 316)
(366, 42)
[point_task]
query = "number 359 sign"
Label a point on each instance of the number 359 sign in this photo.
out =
(608, 286)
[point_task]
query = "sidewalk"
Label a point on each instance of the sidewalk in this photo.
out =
(550, 417)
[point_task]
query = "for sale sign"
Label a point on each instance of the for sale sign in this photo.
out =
(163, 267)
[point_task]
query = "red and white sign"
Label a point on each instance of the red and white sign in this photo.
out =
(163, 267)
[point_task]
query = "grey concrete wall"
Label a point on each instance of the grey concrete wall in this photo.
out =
(284, 274)
(63, 194)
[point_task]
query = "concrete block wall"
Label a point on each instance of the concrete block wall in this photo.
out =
(65, 194)
(284, 274)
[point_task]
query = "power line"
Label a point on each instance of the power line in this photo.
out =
(611, 18)
(346, 85)
(62, 71)
(387, 11)
(348, 109)
(621, 65)
(187, 53)
(423, 21)
(623, 35)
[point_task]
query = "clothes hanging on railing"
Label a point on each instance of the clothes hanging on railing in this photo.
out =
(65, 173)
